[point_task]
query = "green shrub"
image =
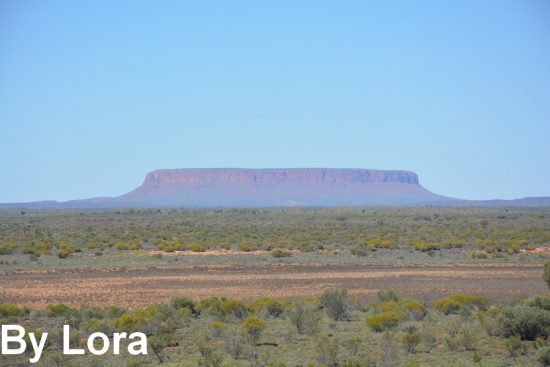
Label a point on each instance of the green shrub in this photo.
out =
(479, 255)
(454, 303)
(413, 308)
(462, 338)
(410, 339)
(125, 246)
(382, 321)
(57, 310)
(208, 357)
(425, 246)
(235, 307)
(245, 246)
(351, 345)
(306, 318)
(197, 247)
(405, 309)
(63, 254)
(543, 356)
(10, 310)
(542, 302)
(335, 303)
(281, 253)
(360, 251)
(272, 306)
(217, 329)
(488, 320)
(515, 346)
(183, 302)
(254, 326)
(527, 322)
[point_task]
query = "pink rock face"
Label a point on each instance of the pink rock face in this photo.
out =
(210, 187)
(209, 176)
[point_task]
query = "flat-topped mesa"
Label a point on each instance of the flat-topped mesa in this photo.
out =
(210, 176)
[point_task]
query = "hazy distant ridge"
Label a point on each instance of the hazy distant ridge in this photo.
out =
(238, 187)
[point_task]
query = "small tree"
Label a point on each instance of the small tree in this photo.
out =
(306, 319)
(335, 303)
(411, 338)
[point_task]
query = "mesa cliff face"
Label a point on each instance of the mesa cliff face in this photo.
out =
(279, 187)
(237, 187)
(210, 176)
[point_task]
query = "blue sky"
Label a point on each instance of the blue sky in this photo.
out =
(95, 94)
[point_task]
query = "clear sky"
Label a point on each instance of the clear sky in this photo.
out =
(94, 94)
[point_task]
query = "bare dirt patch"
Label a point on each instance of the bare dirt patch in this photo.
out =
(144, 287)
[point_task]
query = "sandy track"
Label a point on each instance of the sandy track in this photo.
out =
(144, 287)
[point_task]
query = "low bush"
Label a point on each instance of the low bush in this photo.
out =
(465, 339)
(425, 246)
(197, 247)
(245, 246)
(306, 318)
(335, 303)
(454, 303)
(10, 310)
(360, 251)
(406, 309)
(209, 358)
(235, 307)
(410, 339)
(479, 255)
(382, 321)
(63, 254)
(515, 346)
(217, 329)
(414, 309)
(542, 302)
(254, 326)
(527, 322)
(183, 302)
(281, 253)
(272, 306)
(57, 310)
(543, 356)
(124, 246)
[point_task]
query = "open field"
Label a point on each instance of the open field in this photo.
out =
(416, 287)
(135, 288)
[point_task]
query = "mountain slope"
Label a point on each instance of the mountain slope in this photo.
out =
(237, 187)
(280, 187)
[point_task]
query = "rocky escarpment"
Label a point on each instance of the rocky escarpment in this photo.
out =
(236, 187)
(280, 187)
(211, 176)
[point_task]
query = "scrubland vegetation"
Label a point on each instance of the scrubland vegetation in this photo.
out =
(482, 233)
(331, 330)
